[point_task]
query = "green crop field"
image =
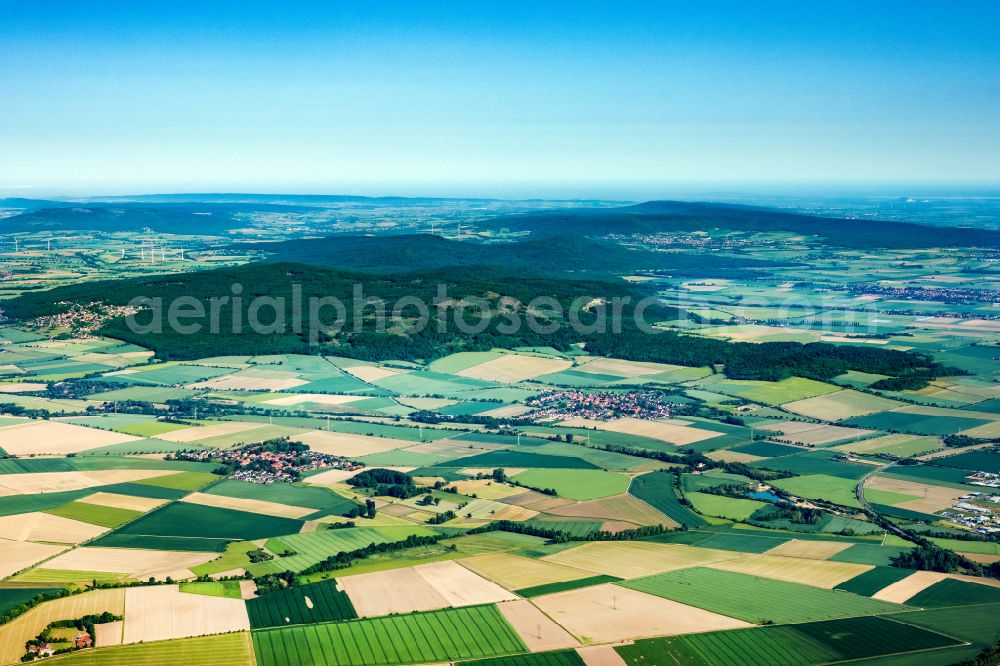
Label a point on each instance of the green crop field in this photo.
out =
(575, 528)
(873, 580)
(141, 490)
(977, 625)
(495, 459)
(724, 507)
(864, 553)
(314, 547)
(153, 542)
(325, 501)
(789, 645)
(35, 465)
(776, 393)
(917, 424)
(815, 462)
(234, 557)
(105, 516)
(977, 461)
(820, 486)
(557, 658)
(745, 542)
(768, 449)
(229, 589)
(289, 606)
(754, 599)
(436, 636)
(182, 481)
(933, 474)
(180, 519)
(962, 545)
(775, 646)
(12, 597)
(950, 592)
(657, 490)
(229, 649)
(578, 484)
(563, 586)
(14, 504)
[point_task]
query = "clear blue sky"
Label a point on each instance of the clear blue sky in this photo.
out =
(493, 98)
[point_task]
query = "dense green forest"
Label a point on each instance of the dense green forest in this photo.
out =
(555, 255)
(365, 333)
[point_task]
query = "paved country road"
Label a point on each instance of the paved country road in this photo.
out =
(859, 491)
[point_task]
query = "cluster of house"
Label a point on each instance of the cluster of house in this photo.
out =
(988, 479)
(80, 641)
(976, 517)
(938, 294)
(85, 319)
(262, 465)
(600, 405)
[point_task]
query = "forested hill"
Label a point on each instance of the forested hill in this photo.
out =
(195, 219)
(563, 254)
(361, 337)
(679, 216)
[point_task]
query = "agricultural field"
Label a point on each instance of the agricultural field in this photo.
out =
(754, 599)
(562, 510)
(436, 636)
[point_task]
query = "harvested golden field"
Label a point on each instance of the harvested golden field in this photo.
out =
(25, 627)
(248, 505)
(51, 482)
(534, 500)
(394, 591)
(204, 432)
(725, 455)
(240, 382)
(609, 613)
(818, 573)
(516, 573)
(460, 586)
(840, 405)
(347, 444)
(600, 655)
(612, 366)
(535, 628)
(161, 612)
(122, 501)
(22, 387)
(486, 489)
(426, 403)
(39, 526)
(814, 550)
(109, 633)
(424, 587)
(329, 477)
(902, 590)
(617, 507)
(673, 431)
(137, 563)
(825, 434)
(506, 412)
(930, 498)
(318, 398)
(373, 373)
(54, 437)
(982, 558)
(632, 559)
(513, 368)
(18, 555)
